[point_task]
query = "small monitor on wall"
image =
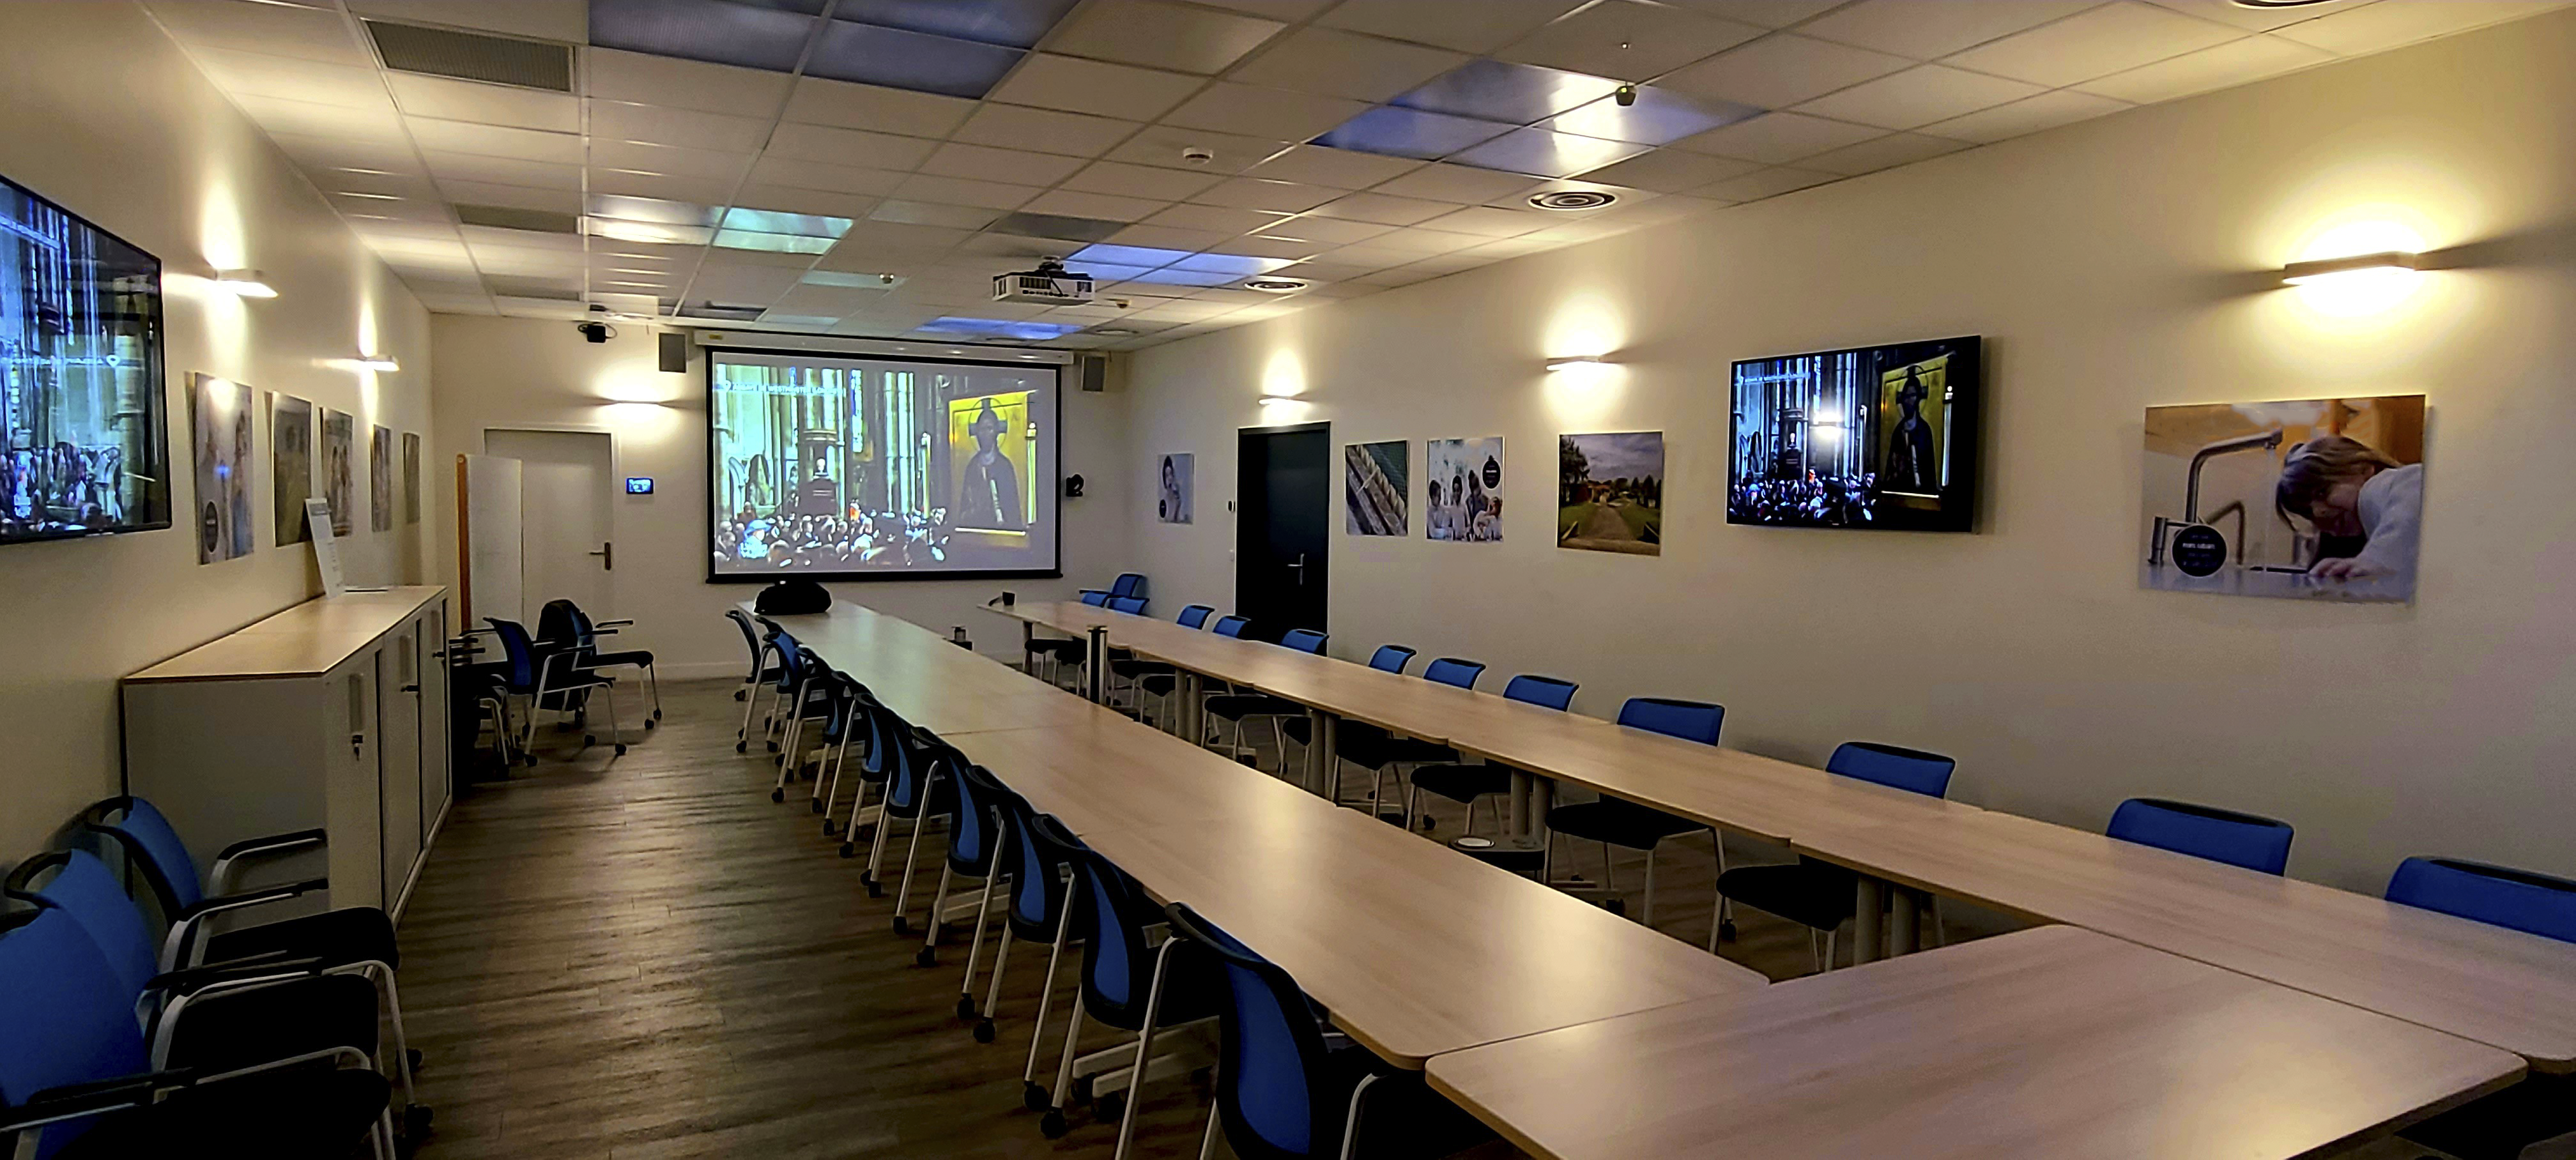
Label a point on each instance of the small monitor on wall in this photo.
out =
(1871, 437)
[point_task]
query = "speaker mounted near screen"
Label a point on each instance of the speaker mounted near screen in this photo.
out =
(674, 351)
(1879, 437)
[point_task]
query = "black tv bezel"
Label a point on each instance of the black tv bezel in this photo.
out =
(156, 371)
(707, 393)
(1967, 439)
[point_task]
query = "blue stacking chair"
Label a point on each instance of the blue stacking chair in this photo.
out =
(1236, 708)
(1096, 599)
(1232, 626)
(878, 760)
(1032, 884)
(1374, 749)
(915, 792)
(1044, 857)
(2520, 900)
(974, 845)
(1112, 916)
(213, 1018)
(76, 1084)
(1466, 784)
(1819, 895)
(1390, 658)
(526, 671)
(817, 699)
(759, 650)
(1625, 824)
(848, 723)
(1289, 1087)
(2256, 843)
(1131, 605)
(1127, 584)
(1154, 678)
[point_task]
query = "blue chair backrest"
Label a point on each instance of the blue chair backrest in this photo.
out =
(2255, 843)
(1303, 640)
(1038, 849)
(1096, 599)
(78, 884)
(1893, 765)
(1538, 690)
(1128, 584)
(750, 637)
(918, 777)
(2518, 899)
(1697, 721)
(63, 1018)
(1230, 626)
(791, 666)
(1131, 605)
(153, 845)
(1391, 658)
(1112, 920)
(1270, 1056)
(518, 652)
(1452, 671)
(976, 832)
(1195, 616)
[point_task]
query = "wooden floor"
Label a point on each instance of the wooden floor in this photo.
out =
(645, 957)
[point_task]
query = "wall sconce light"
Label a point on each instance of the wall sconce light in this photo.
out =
(375, 362)
(244, 284)
(1275, 400)
(1578, 363)
(2392, 263)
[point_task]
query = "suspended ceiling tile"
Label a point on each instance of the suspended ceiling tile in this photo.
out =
(454, 100)
(1884, 153)
(2234, 63)
(1103, 206)
(1768, 183)
(1654, 116)
(896, 58)
(2097, 43)
(1166, 145)
(1544, 154)
(512, 196)
(1672, 171)
(1221, 219)
(1918, 97)
(1781, 70)
(275, 29)
(1489, 222)
(745, 35)
(1246, 110)
(1343, 64)
(261, 74)
(1334, 168)
(1414, 133)
(2045, 111)
(993, 195)
(1145, 181)
(495, 141)
(1012, 166)
(668, 160)
(2258, 19)
(1169, 237)
(1628, 41)
(1075, 85)
(628, 183)
(1515, 94)
(1767, 13)
(786, 171)
(1385, 209)
(1775, 138)
(655, 125)
(1044, 130)
(1465, 25)
(1324, 231)
(1256, 194)
(567, 21)
(318, 154)
(2360, 30)
(684, 84)
(1160, 35)
(374, 122)
(848, 147)
(1913, 29)
(1011, 23)
(1441, 181)
(854, 106)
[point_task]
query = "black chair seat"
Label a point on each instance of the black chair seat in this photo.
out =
(234, 1029)
(1818, 895)
(1620, 823)
(1237, 706)
(1463, 783)
(1132, 668)
(637, 657)
(355, 934)
(1068, 651)
(305, 1113)
(1158, 684)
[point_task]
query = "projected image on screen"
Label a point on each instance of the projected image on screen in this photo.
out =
(855, 467)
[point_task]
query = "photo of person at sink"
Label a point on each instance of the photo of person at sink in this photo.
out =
(2355, 497)
(2294, 499)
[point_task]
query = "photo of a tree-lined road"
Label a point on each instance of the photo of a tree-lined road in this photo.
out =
(1610, 492)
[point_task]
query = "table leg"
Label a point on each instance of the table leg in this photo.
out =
(1097, 664)
(1516, 828)
(1319, 754)
(1904, 921)
(1868, 899)
(1185, 719)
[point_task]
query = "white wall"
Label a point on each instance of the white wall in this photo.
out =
(2111, 266)
(507, 372)
(101, 113)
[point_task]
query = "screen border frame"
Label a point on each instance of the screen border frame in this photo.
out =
(707, 539)
(158, 372)
(1973, 411)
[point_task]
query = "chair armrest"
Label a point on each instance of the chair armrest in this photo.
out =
(219, 877)
(179, 945)
(628, 623)
(256, 969)
(73, 1101)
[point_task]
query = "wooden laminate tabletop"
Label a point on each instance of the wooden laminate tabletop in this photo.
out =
(2500, 987)
(306, 640)
(2046, 1044)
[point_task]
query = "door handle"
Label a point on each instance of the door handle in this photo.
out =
(357, 744)
(607, 554)
(1300, 569)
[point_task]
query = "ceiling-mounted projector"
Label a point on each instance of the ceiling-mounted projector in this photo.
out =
(1048, 285)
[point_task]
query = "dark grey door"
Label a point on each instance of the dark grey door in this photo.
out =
(1282, 532)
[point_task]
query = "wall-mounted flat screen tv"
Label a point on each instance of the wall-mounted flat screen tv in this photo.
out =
(1872, 437)
(86, 450)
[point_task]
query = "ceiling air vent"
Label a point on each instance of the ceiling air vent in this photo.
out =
(1572, 199)
(538, 288)
(473, 56)
(727, 312)
(502, 217)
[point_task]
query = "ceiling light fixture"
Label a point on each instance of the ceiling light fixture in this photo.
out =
(1275, 285)
(244, 284)
(2392, 263)
(376, 362)
(1577, 363)
(2259, 5)
(370, 196)
(1569, 200)
(1275, 400)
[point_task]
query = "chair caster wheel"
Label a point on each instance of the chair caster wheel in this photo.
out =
(778, 795)
(739, 695)
(657, 715)
(849, 849)
(530, 760)
(1052, 1125)
(1429, 823)
(773, 747)
(650, 722)
(965, 1008)
(412, 1057)
(1033, 1096)
(415, 1121)
(1617, 906)
(814, 806)
(877, 890)
(1110, 1107)
(1726, 931)
(1081, 1089)
(621, 749)
(902, 925)
(984, 1031)
(742, 747)
(925, 957)
(589, 739)
(830, 827)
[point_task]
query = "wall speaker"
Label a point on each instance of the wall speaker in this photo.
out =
(1093, 372)
(675, 352)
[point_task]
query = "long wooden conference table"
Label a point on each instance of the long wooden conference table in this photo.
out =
(2500, 987)
(1578, 1034)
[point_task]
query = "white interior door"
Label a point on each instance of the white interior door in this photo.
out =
(490, 516)
(565, 498)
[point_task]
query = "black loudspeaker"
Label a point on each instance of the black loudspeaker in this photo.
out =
(1092, 371)
(675, 352)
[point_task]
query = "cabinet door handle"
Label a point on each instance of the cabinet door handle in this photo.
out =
(357, 743)
(411, 688)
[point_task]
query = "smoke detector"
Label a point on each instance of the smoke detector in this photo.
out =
(1197, 155)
